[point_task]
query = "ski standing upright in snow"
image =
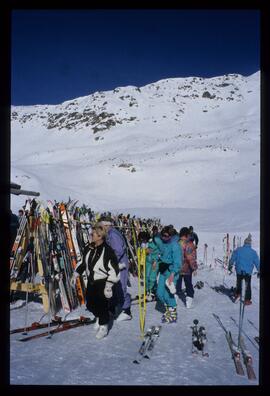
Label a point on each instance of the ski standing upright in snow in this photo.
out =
(145, 344)
(154, 338)
(199, 339)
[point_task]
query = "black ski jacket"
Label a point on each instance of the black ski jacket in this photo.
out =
(99, 263)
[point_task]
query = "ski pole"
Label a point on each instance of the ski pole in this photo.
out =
(253, 325)
(27, 294)
(241, 310)
(237, 325)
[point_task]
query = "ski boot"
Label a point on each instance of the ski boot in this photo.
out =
(165, 315)
(171, 317)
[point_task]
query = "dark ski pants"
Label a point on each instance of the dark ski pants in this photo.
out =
(239, 278)
(188, 284)
(96, 302)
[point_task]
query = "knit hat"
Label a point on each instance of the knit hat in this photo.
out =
(248, 240)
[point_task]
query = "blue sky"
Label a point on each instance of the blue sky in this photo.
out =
(59, 55)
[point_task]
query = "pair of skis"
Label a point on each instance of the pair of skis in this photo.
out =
(61, 326)
(146, 349)
(236, 351)
(36, 325)
(199, 339)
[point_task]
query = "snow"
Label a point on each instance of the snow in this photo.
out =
(176, 143)
(76, 357)
(197, 162)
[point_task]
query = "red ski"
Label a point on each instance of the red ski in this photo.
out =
(62, 326)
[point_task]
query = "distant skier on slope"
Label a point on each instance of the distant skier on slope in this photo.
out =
(189, 265)
(244, 258)
(101, 265)
(170, 262)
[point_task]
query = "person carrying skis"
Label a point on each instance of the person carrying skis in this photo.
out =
(101, 265)
(244, 258)
(193, 237)
(116, 241)
(189, 265)
(170, 262)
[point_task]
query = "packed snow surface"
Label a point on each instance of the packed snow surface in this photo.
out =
(77, 357)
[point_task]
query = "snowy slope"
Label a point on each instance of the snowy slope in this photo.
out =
(177, 143)
(186, 150)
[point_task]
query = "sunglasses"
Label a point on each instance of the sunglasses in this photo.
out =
(165, 236)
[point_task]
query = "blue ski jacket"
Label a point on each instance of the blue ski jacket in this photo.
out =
(154, 251)
(170, 253)
(245, 258)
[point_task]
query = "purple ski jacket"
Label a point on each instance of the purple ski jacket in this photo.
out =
(117, 242)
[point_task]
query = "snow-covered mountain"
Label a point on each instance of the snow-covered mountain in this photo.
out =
(181, 143)
(186, 150)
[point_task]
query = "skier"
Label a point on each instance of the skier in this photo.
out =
(101, 265)
(189, 265)
(117, 242)
(193, 237)
(152, 265)
(170, 262)
(244, 258)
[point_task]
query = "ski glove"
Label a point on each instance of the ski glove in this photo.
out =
(121, 266)
(170, 286)
(108, 290)
(75, 275)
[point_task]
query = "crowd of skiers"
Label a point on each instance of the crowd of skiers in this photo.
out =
(171, 259)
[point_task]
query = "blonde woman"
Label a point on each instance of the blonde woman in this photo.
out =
(101, 266)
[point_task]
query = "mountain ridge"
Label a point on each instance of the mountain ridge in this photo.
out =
(189, 142)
